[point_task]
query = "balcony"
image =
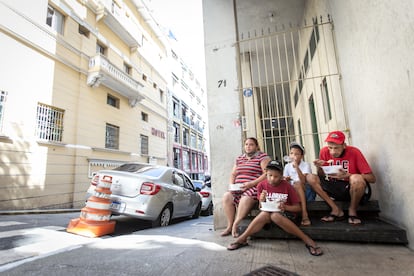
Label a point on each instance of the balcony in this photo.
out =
(115, 17)
(101, 71)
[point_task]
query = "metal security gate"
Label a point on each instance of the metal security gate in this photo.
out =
(291, 88)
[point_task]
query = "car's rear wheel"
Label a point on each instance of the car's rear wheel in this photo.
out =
(209, 210)
(197, 212)
(164, 218)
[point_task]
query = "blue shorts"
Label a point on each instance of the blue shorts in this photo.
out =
(310, 194)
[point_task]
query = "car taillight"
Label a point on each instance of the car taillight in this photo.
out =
(95, 180)
(205, 194)
(148, 188)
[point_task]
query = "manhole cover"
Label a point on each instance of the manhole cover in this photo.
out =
(271, 271)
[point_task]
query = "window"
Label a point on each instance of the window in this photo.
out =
(161, 96)
(314, 40)
(176, 132)
(55, 19)
(144, 116)
(174, 55)
(187, 183)
(314, 125)
(144, 144)
(200, 162)
(83, 31)
(200, 144)
(113, 101)
(194, 161)
(174, 80)
(178, 179)
(176, 108)
(177, 158)
(127, 69)
(112, 137)
(144, 77)
(154, 85)
(3, 95)
(193, 140)
(186, 136)
(100, 48)
(300, 131)
(49, 123)
(325, 99)
(186, 160)
(185, 114)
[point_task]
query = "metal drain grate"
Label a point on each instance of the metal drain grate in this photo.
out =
(271, 271)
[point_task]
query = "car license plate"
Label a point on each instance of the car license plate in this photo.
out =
(115, 205)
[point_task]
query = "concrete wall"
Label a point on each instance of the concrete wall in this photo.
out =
(222, 97)
(375, 46)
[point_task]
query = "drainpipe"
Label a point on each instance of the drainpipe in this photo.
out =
(238, 65)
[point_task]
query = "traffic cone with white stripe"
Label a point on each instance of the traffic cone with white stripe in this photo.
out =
(94, 220)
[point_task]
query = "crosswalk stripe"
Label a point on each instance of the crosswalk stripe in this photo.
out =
(38, 242)
(10, 223)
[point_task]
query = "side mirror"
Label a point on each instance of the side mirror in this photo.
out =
(197, 189)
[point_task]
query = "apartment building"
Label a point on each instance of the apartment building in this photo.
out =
(188, 122)
(84, 86)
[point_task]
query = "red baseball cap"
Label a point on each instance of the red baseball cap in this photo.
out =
(337, 137)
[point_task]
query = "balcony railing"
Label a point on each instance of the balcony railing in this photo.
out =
(103, 71)
(116, 18)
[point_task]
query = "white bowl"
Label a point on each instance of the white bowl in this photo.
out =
(235, 187)
(271, 206)
(331, 169)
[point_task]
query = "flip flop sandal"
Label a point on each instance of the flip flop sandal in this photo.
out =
(237, 245)
(314, 250)
(354, 220)
(332, 218)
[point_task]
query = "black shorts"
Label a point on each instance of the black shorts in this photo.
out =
(339, 190)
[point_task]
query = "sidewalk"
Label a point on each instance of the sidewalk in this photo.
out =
(192, 247)
(211, 257)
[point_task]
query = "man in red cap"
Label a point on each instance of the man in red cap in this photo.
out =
(350, 183)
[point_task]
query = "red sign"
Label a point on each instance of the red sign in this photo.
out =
(158, 133)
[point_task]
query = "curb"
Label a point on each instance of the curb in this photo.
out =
(38, 211)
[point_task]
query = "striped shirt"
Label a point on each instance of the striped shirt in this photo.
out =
(249, 169)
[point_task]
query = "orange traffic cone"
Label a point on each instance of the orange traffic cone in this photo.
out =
(95, 217)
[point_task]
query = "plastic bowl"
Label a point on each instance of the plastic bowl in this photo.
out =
(270, 206)
(331, 169)
(235, 187)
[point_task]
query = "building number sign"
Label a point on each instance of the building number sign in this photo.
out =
(221, 83)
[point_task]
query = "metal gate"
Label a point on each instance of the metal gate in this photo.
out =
(291, 88)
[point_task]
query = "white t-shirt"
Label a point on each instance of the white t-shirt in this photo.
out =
(289, 170)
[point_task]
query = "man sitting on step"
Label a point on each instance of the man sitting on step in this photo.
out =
(350, 183)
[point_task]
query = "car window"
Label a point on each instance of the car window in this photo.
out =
(178, 179)
(131, 167)
(198, 184)
(141, 169)
(188, 184)
(152, 171)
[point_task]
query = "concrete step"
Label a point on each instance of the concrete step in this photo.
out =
(320, 208)
(372, 230)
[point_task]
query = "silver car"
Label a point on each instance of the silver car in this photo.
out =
(150, 192)
(207, 197)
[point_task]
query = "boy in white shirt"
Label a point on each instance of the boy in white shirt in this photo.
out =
(295, 172)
